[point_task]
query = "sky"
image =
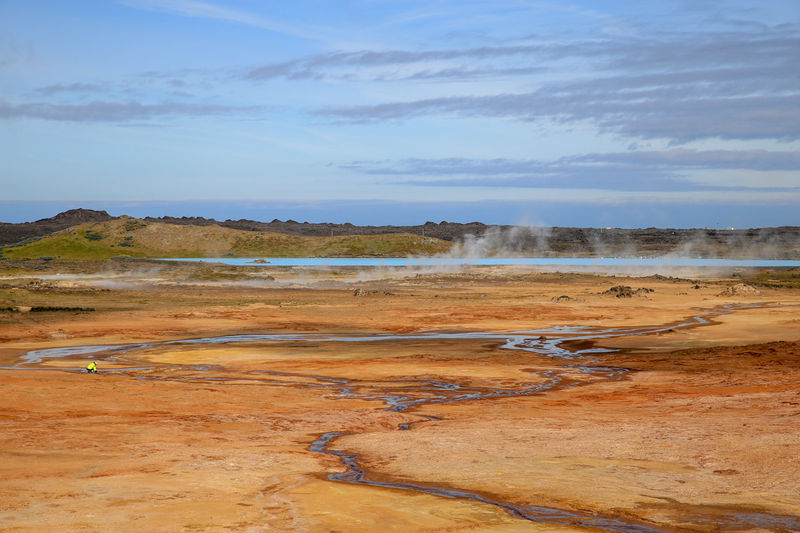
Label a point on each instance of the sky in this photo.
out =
(602, 113)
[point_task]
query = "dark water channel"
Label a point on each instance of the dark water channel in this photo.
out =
(574, 344)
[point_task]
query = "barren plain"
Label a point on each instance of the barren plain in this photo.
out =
(482, 399)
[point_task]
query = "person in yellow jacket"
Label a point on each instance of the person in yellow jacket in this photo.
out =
(92, 368)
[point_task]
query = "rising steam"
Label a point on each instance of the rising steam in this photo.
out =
(514, 241)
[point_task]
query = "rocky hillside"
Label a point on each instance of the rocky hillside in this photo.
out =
(448, 231)
(473, 238)
(126, 236)
(477, 238)
(16, 233)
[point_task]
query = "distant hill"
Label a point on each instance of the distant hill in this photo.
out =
(203, 237)
(126, 236)
(447, 231)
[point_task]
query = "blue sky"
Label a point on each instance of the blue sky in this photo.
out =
(678, 113)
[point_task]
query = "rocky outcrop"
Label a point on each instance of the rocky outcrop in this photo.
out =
(16, 233)
(624, 291)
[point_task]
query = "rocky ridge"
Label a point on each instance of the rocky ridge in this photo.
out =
(775, 243)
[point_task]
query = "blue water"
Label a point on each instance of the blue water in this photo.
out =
(494, 261)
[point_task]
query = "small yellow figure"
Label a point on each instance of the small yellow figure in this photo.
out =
(92, 368)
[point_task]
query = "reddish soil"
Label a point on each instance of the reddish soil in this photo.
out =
(698, 432)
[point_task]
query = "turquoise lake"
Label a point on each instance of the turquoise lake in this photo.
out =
(496, 261)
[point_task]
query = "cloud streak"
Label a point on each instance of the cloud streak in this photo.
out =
(765, 160)
(207, 10)
(664, 52)
(99, 111)
(76, 87)
(680, 87)
(623, 171)
(322, 65)
(654, 113)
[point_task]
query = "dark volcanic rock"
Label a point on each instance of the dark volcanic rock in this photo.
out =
(73, 217)
(624, 291)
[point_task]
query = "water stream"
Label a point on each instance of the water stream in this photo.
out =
(645, 262)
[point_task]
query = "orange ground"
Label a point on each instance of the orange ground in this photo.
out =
(700, 435)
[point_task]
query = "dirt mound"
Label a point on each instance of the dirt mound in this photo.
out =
(367, 292)
(624, 291)
(740, 289)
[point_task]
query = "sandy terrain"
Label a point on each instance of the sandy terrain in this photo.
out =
(680, 425)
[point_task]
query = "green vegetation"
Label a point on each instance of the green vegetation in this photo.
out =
(63, 247)
(132, 224)
(99, 241)
(778, 278)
